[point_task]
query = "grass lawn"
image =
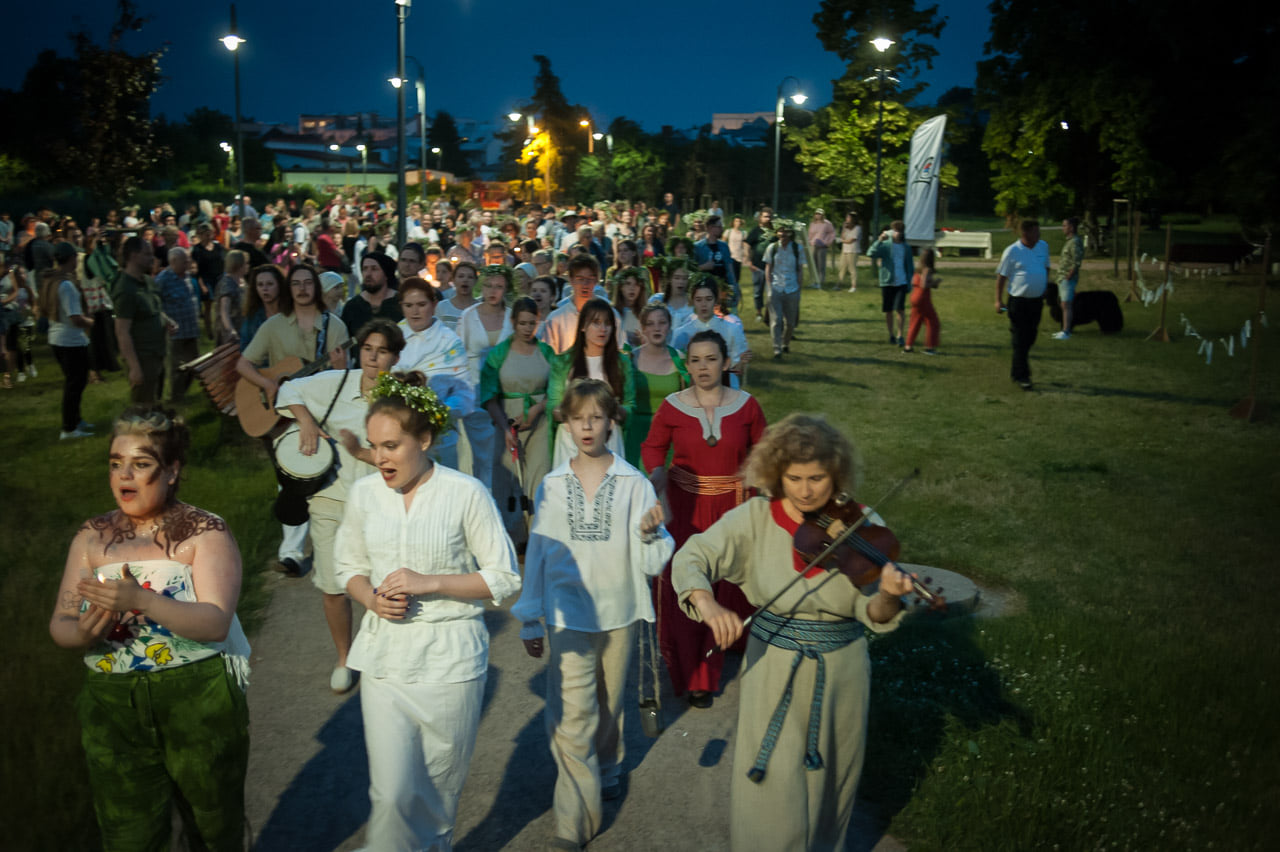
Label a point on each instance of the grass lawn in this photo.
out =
(1123, 700)
(50, 488)
(1123, 703)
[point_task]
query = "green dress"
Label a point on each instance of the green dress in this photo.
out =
(651, 390)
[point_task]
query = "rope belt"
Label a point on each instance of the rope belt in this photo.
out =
(527, 397)
(810, 639)
(706, 485)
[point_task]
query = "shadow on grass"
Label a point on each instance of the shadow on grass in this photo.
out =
(924, 676)
(338, 777)
(1131, 393)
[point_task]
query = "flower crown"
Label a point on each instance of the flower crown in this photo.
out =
(421, 399)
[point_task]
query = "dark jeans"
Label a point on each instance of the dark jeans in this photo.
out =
(74, 361)
(757, 281)
(102, 343)
(180, 352)
(1024, 324)
(152, 364)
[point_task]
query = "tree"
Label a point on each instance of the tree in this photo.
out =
(636, 172)
(847, 27)
(1152, 107)
(839, 151)
(558, 119)
(114, 140)
(443, 134)
(593, 179)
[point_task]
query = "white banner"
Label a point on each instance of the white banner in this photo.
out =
(922, 181)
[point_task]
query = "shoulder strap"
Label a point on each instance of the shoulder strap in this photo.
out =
(322, 335)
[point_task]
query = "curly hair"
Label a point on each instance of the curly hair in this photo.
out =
(799, 439)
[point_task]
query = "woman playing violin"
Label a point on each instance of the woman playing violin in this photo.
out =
(795, 790)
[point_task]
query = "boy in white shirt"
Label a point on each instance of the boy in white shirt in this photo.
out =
(597, 538)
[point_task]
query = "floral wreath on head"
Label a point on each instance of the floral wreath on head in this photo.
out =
(628, 272)
(671, 245)
(421, 399)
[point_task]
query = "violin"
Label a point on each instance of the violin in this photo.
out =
(838, 538)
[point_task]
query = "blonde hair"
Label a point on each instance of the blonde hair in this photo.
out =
(799, 439)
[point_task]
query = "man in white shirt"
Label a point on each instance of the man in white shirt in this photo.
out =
(1024, 269)
(561, 328)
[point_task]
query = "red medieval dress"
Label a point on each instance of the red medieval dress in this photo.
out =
(702, 484)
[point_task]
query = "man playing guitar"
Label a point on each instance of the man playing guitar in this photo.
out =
(305, 333)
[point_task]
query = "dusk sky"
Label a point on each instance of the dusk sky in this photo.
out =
(658, 62)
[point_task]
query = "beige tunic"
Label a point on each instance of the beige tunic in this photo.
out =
(793, 808)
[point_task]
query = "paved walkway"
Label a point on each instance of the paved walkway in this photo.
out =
(308, 780)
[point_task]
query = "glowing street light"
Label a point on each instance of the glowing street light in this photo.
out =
(232, 41)
(364, 163)
(439, 159)
(591, 137)
(797, 98)
(881, 44)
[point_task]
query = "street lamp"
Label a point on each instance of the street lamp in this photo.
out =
(231, 156)
(364, 163)
(591, 137)
(881, 44)
(402, 13)
(420, 84)
(439, 159)
(232, 41)
(797, 98)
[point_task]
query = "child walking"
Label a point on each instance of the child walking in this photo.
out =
(597, 539)
(922, 304)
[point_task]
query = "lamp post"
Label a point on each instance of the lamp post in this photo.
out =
(420, 84)
(881, 44)
(591, 137)
(232, 41)
(364, 163)
(402, 13)
(439, 159)
(797, 98)
(231, 157)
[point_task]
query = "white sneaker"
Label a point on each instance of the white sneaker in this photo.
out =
(84, 427)
(1062, 335)
(31, 370)
(75, 433)
(22, 377)
(342, 680)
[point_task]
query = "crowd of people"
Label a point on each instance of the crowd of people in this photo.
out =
(562, 393)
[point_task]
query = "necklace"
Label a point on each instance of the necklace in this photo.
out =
(711, 438)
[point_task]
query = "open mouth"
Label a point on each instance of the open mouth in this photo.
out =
(127, 494)
(388, 473)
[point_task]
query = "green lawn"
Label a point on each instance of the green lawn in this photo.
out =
(51, 487)
(1123, 702)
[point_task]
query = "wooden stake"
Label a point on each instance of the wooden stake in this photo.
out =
(1247, 409)
(1161, 333)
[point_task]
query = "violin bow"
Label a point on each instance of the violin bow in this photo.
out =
(867, 512)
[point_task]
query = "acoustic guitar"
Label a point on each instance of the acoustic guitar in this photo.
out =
(257, 413)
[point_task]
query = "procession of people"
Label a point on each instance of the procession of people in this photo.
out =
(454, 433)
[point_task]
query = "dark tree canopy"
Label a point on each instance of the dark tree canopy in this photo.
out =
(443, 134)
(847, 28)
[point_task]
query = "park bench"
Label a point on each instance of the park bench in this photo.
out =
(980, 240)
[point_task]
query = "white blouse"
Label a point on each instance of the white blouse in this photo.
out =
(475, 337)
(588, 565)
(452, 527)
(316, 392)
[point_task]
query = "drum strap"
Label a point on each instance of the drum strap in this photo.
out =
(322, 336)
(337, 393)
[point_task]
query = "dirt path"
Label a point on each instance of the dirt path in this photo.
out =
(308, 782)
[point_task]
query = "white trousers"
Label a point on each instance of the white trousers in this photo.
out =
(293, 542)
(586, 680)
(419, 737)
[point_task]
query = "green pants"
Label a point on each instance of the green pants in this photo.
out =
(150, 735)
